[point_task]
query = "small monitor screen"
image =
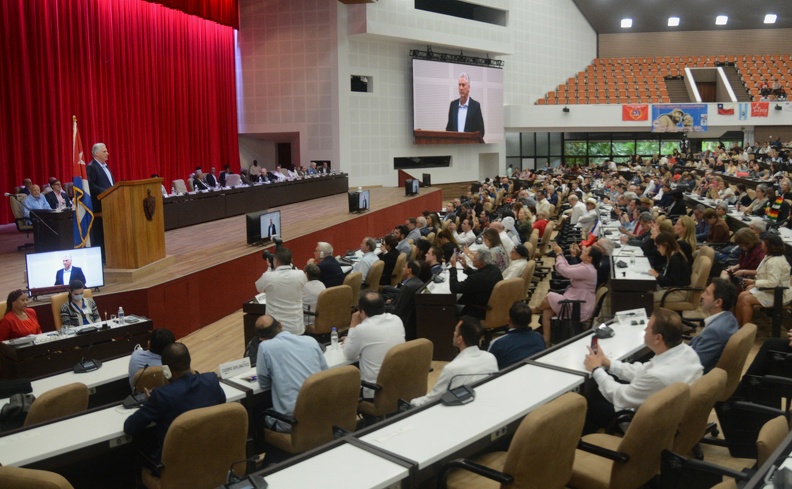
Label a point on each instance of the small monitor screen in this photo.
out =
(411, 186)
(60, 267)
(364, 200)
(270, 225)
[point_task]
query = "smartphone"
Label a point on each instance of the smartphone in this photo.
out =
(594, 343)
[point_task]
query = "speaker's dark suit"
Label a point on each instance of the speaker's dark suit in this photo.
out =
(77, 274)
(97, 182)
(474, 120)
(53, 199)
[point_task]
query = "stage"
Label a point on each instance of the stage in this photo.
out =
(215, 270)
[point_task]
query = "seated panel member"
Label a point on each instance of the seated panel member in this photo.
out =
(186, 391)
(717, 301)
(160, 338)
(468, 367)
(284, 287)
(284, 362)
(332, 274)
(520, 342)
(372, 333)
(35, 201)
(674, 361)
(78, 310)
(19, 320)
(58, 198)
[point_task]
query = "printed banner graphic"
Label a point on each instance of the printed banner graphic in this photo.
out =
(760, 109)
(679, 118)
(635, 112)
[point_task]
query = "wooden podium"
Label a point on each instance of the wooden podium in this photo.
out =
(446, 137)
(133, 241)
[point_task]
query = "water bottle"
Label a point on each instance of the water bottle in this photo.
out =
(173, 190)
(334, 340)
(121, 315)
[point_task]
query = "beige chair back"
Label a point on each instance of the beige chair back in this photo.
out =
(18, 478)
(703, 394)
(332, 310)
(770, 437)
(58, 403)
(179, 186)
(413, 252)
(57, 302)
(430, 238)
(148, 378)
(233, 180)
(201, 445)
(543, 448)
(396, 276)
(505, 293)
(733, 358)
(527, 275)
(705, 251)
(698, 277)
(534, 242)
(354, 280)
(326, 399)
(374, 276)
(403, 375)
(651, 431)
(546, 239)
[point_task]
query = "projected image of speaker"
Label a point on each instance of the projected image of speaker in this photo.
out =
(359, 201)
(411, 186)
(58, 268)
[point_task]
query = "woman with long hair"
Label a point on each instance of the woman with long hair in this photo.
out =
(676, 272)
(685, 231)
(773, 271)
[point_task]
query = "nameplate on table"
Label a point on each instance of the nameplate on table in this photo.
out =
(230, 369)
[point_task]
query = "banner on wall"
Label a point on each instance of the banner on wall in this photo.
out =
(635, 112)
(743, 111)
(725, 109)
(679, 118)
(760, 109)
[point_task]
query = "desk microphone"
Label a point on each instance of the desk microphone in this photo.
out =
(136, 400)
(87, 364)
(462, 394)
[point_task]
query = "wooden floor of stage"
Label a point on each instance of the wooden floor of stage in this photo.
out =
(213, 243)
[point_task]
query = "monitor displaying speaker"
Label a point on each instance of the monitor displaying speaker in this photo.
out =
(60, 267)
(426, 178)
(411, 186)
(359, 201)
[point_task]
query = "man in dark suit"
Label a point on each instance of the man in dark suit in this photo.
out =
(464, 114)
(477, 288)
(332, 274)
(99, 179)
(186, 391)
(271, 231)
(57, 191)
(211, 178)
(717, 301)
(403, 305)
(69, 271)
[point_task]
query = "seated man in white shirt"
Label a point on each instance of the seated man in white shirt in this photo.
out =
(466, 236)
(576, 211)
(518, 260)
(372, 333)
(284, 286)
(674, 361)
(367, 247)
(589, 219)
(469, 366)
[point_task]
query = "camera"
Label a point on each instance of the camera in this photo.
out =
(267, 255)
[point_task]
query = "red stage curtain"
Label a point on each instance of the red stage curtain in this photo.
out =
(224, 12)
(156, 85)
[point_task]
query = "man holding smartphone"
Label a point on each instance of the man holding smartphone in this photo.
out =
(674, 361)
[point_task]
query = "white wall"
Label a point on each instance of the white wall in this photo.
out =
(250, 148)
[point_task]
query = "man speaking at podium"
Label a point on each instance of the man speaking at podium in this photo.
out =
(99, 179)
(464, 114)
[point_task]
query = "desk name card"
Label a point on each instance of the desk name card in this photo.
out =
(230, 369)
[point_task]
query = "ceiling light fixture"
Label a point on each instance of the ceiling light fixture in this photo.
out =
(721, 20)
(770, 18)
(673, 21)
(626, 23)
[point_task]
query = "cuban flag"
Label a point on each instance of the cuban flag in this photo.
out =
(82, 194)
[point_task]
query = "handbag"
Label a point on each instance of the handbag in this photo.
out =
(14, 413)
(567, 324)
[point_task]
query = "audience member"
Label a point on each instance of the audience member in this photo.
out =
(389, 255)
(141, 358)
(403, 304)
(367, 247)
(773, 271)
(185, 391)
(674, 361)
(478, 286)
(469, 366)
(401, 232)
(372, 333)
(284, 362)
(413, 233)
(717, 301)
(518, 260)
(520, 342)
(284, 287)
(467, 236)
(313, 287)
(332, 274)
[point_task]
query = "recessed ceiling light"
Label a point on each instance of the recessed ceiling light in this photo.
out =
(626, 23)
(721, 20)
(673, 21)
(770, 18)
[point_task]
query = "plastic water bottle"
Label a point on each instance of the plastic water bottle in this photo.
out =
(173, 190)
(121, 315)
(334, 339)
